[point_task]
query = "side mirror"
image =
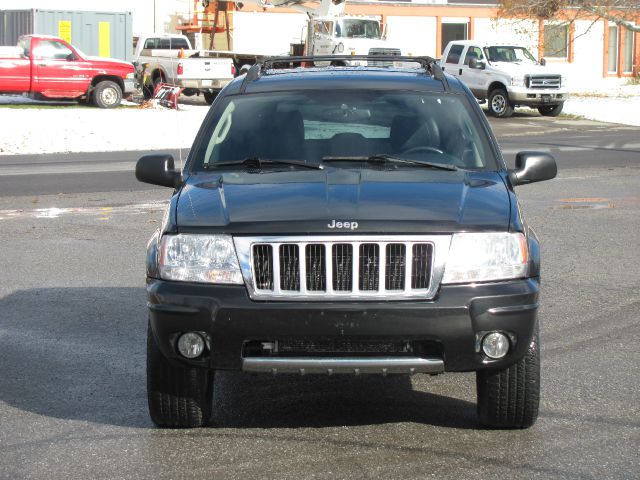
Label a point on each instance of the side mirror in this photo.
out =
(158, 170)
(477, 64)
(543, 61)
(533, 167)
(71, 57)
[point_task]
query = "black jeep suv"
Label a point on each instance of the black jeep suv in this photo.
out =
(344, 220)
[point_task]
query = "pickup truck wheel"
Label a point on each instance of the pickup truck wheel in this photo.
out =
(178, 396)
(551, 110)
(499, 105)
(509, 398)
(107, 94)
(210, 96)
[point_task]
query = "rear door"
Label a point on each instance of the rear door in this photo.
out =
(451, 63)
(58, 71)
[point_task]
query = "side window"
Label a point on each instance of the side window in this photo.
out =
(164, 44)
(178, 43)
(454, 53)
(323, 28)
(473, 52)
(151, 43)
(328, 28)
(52, 50)
(25, 47)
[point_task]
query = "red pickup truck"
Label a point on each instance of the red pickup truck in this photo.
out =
(49, 68)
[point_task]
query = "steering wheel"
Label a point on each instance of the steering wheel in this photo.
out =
(422, 149)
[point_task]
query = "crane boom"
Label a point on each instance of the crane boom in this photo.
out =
(321, 8)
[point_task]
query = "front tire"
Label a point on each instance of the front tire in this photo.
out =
(550, 110)
(499, 105)
(107, 94)
(510, 398)
(178, 396)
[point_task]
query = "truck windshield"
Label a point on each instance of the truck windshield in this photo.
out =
(353, 28)
(510, 54)
(311, 126)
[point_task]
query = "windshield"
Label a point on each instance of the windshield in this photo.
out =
(312, 126)
(510, 54)
(358, 29)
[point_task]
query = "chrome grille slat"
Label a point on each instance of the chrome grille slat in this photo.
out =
(289, 267)
(395, 266)
(369, 267)
(315, 269)
(342, 259)
(342, 267)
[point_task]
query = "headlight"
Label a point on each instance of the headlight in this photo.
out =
(131, 75)
(482, 257)
(199, 258)
(517, 81)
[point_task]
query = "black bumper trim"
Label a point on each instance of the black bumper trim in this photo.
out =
(450, 321)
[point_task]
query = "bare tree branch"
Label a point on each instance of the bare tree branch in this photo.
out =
(623, 13)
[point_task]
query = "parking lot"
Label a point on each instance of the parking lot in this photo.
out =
(73, 325)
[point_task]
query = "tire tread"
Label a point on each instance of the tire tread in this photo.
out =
(509, 398)
(178, 396)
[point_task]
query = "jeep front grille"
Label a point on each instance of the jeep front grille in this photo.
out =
(337, 267)
(543, 81)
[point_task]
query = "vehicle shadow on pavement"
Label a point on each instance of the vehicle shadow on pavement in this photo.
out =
(289, 401)
(75, 353)
(80, 353)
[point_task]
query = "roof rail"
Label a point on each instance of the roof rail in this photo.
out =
(429, 64)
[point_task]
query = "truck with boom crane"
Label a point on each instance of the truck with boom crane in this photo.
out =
(328, 31)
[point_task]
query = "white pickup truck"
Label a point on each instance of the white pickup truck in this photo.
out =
(506, 76)
(170, 59)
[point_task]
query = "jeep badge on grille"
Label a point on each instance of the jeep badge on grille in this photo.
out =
(345, 225)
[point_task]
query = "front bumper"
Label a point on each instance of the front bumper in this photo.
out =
(130, 85)
(529, 96)
(453, 324)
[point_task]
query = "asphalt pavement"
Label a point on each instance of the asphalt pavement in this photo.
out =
(73, 324)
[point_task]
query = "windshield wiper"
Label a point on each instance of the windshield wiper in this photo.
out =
(383, 158)
(258, 163)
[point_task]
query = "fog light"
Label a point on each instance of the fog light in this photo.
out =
(190, 345)
(495, 345)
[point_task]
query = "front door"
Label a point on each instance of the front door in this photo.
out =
(474, 78)
(58, 71)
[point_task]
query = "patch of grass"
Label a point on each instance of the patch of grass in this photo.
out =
(572, 116)
(634, 80)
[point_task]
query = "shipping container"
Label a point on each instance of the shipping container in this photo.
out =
(101, 34)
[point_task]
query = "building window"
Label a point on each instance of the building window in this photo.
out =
(629, 51)
(612, 66)
(452, 32)
(556, 40)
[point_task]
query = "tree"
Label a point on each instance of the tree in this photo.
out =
(621, 12)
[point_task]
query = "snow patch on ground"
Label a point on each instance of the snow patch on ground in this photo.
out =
(621, 110)
(70, 128)
(87, 129)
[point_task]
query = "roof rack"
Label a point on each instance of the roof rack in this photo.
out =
(429, 64)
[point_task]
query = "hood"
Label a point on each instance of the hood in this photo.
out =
(405, 201)
(516, 69)
(111, 63)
